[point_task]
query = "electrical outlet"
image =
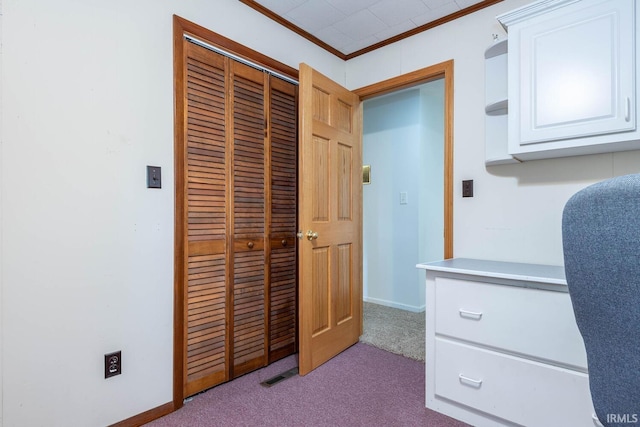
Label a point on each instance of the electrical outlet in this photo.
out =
(112, 364)
(467, 188)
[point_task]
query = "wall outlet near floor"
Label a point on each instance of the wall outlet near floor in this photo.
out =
(112, 364)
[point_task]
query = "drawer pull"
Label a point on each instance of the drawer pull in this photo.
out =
(470, 314)
(470, 381)
(250, 245)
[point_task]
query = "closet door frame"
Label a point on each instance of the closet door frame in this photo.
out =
(182, 27)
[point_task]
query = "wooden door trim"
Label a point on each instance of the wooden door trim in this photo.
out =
(180, 227)
(425, 75)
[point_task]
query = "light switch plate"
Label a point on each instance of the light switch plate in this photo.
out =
(154, 177)
(403, 198)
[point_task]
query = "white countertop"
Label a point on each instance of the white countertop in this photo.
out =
(539, 273)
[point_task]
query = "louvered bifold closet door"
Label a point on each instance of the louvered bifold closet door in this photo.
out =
(249, 216)
(283, 125)
(205, 170)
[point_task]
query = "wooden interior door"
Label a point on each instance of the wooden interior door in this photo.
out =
(330, 216)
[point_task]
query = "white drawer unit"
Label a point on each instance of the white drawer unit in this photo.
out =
(519, 390)
(502, 345)
(510, 319)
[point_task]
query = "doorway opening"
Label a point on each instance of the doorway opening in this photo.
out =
(431, 240)
(442, 71)
(403, 220)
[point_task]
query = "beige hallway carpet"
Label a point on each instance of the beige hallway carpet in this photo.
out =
(394, 330)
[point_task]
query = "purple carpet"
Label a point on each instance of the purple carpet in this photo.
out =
(363, 386)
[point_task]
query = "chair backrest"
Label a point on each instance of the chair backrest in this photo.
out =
(601, 242)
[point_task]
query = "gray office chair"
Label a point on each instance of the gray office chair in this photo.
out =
(601, 239)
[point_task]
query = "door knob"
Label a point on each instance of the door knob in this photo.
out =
(312, 235)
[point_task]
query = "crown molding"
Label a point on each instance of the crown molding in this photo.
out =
(530, 11)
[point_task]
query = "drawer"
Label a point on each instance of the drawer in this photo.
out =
(532, 322)
(518, 390)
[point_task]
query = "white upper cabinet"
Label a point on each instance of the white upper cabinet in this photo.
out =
(572, 73)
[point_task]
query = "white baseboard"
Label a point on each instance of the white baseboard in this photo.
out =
(415, 309)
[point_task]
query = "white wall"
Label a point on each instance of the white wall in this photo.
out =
(403, 142)
(87, 249)
(391, 145)
(516, 212)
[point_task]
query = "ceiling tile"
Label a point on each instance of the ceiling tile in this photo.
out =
(434, 4)
(447, 9)
(360, 44)
(351, 6)
(280, 7)
(395, 30)
(360, 25)
(466, 3)
(314, 15)
(333, 37)
(389, 12)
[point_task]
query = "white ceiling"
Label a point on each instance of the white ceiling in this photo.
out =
(351, 25)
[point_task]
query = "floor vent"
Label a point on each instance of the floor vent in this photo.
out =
(280, 377)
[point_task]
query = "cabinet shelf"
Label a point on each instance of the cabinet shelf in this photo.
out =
(498, 48)
(496, 105)
(498, 108)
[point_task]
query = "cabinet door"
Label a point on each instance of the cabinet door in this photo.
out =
(576, 72)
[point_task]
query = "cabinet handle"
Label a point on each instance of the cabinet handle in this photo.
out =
(284, 242)
(470, 381)
(250, 245)
(470, 315)
(627, 110)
